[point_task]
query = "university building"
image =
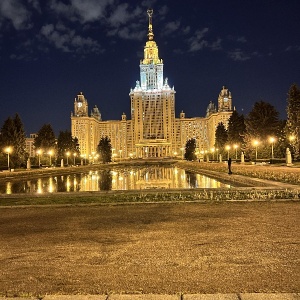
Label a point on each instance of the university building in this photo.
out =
(153, 130)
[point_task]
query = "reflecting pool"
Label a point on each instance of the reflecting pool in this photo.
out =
(126, 178)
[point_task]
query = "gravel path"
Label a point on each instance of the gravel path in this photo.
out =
(150, 248)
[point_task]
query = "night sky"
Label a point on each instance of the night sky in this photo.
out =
(52, 50)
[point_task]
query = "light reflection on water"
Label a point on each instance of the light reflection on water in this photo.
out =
(134, 178)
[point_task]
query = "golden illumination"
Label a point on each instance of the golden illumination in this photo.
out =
(151, 49)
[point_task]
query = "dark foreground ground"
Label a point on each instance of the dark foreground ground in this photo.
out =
(168, 248)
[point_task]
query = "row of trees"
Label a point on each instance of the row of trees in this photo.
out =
(262, 126)
(13, 139)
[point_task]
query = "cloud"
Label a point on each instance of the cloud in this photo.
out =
(67, 40)
(241, 39)
(197, 41)
(186, 30)
(238, 55)
(238, 39)
(292, 48)
(120, 15)
(171, 27)
(216, 45)
(16, 13)
(82, 11)
(35, 4)
(120, 20)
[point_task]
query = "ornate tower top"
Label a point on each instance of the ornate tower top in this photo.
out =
(151, 49)
(150, 32)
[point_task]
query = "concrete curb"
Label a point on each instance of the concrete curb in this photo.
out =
(243, 296)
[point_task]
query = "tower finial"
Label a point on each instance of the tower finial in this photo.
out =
(150, 32)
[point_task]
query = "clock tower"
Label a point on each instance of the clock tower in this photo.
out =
(224, 100)
(80, 106)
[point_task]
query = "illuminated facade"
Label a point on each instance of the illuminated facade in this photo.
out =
(153, 131)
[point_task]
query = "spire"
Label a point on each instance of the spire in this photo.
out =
(151, 66)
(151, 49)
(150, 32)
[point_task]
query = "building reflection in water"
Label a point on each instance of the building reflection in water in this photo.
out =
(138, 178)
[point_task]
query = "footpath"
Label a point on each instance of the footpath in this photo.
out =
(242, 296)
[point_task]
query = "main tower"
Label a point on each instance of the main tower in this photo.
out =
(152, 104)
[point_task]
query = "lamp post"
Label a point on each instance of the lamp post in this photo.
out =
(272, 140)
(74, 158)
(227, 148)
(182, 150)
(235, 146)
(68, 154)
(113, 154)
(255, 143)
(39, 152)
(8, 150)
(213, 152)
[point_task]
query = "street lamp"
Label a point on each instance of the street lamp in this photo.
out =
(113, 154)
(39, 152)
(74, 158)
(68, 154)
(255, 143)
(8, 150)
(213, 152)
(235, 146)
(227, 148)
(182, 150)
(272, 140)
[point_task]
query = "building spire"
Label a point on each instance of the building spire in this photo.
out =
(150, 32)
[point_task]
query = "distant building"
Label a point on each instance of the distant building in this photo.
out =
(30, 149)
(153, 130)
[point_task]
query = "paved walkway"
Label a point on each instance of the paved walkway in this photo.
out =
(243, 296)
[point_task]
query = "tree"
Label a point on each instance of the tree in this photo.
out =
(261, 123)
(293, 119)
(282, 142)
(236, 129)
(46, 141)
(45, 138)
(190, 149)
(13, 135)
(104, 149)
(66, 143)
(20, 145)
(221, 136)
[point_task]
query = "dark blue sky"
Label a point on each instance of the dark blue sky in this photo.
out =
(52, 50)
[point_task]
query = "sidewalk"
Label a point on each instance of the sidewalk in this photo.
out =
(244, 296)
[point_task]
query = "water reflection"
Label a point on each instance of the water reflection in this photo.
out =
(135, 178)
